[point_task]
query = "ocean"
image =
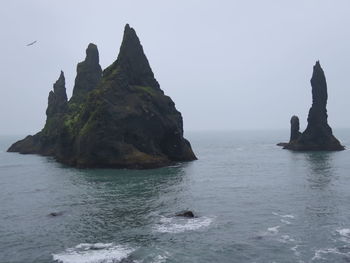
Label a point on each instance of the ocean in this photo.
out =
(254, 202)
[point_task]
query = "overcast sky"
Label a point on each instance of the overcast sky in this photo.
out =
(227, 65)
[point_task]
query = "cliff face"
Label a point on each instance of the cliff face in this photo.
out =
(120, 118)
(318, 135)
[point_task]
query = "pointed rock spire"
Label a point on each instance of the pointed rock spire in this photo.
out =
(57, 101)
(89, 74)
(319, 87)
(133, 62)
(318, 135)
(317, 119)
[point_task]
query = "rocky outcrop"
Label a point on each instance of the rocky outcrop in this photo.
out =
(294, 129)
(122, 119)
(318, 135)
(188, 214)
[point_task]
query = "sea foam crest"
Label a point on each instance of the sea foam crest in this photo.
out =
(273, 230)
(93, 253)
(345, 232)
(175, 225)
(320, 252)
(283, 216)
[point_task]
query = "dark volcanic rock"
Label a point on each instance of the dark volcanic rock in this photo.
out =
(121, 120)
(89, 74)
(188, 214)
(318, 135)
(57, 101)
(294, 129)
(54, 214)
(132, 63)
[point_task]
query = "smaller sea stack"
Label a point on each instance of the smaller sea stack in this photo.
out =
(318, 135)
(294, 129)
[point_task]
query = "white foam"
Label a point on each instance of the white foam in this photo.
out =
(320, 252)
(345, 232)
(283, 216)
(286, 239)
(288, 216)
(285, 222)
(273, 230)
(93, 253)
(175, 225)
(161, 258)
(295, 250)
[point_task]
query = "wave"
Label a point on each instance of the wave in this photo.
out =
(284, 216)
(286, 239)
(273, 230)
(175, 225)
(320, 252)
(345, 232)
(285, 221)
(93, 253)
(295, 250)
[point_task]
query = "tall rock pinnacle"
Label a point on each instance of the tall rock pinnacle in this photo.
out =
(57, 101)
(294, 128)
(89, 74)
(133, 62)
(318, 135)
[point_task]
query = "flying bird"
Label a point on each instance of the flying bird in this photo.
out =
(30, 44)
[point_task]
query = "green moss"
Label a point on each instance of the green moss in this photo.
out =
(147, 89)
(71, 121)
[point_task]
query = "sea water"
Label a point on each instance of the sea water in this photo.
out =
(254, 202)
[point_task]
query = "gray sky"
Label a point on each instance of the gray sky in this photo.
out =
(227, 64)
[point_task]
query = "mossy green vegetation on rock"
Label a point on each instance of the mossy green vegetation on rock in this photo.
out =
(116, 118)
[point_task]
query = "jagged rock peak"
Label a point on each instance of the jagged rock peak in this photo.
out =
(57, 100)
(59, 88)
(132, 61)
(92, 56)
(89, 74)
(319, 87)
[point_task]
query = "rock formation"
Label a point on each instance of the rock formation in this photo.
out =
(318, 135)
(89, 74)
(57, 101)
(294, 129)
(188, 214)
(119, 118)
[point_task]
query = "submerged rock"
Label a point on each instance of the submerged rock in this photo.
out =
(188, 214)
(120, 119)
(318, 135)
(54, 214)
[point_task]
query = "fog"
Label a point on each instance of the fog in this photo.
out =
(228, 65)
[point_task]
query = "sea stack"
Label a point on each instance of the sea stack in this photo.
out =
(294, 129)
(118, 118)
(318, 135)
